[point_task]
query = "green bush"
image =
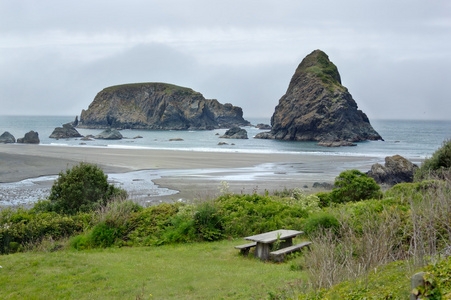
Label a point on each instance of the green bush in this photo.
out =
(319, 222)
(353, 185)
(24, 228)
(249, 214)
(208, 222)
(82, 188)
(437, 166)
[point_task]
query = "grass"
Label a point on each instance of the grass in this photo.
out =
(187, 271)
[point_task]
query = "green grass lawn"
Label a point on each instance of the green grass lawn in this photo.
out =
(184, 271)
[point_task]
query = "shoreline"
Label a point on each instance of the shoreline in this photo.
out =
(194, 175)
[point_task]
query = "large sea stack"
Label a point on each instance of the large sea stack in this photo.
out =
(158, 106)
(316, 107)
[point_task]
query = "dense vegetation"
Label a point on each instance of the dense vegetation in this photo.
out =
(366, 244)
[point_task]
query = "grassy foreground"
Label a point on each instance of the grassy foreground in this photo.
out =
(184, 271)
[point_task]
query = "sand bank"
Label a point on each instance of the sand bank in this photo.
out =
(192, 174)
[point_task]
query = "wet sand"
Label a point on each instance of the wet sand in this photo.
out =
(193, 174)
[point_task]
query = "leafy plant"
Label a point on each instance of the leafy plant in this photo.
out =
(353, 185)
(81, 189)
(437, 166)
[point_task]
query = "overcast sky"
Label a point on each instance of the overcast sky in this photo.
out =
(394, 56)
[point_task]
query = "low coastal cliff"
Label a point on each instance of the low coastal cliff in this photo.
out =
(158, 106)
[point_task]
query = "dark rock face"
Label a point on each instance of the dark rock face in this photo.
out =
(316, 107)
(31, 137)
(336, 144)
(235, 133)
(263, 126)
(7, 138)
(67, 131)
(158, 106)
(109, 134)
(397, 169)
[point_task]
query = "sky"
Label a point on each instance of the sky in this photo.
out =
(394, 56)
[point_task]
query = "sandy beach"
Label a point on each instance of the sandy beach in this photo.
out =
(188, 174)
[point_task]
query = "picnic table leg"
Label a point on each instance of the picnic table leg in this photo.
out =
(286, 243)
(262, 251)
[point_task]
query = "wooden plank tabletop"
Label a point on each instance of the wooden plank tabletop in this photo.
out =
(272, 236)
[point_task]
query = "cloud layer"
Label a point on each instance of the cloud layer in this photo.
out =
(394, 57)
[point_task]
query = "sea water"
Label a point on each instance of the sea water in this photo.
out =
(413, 139)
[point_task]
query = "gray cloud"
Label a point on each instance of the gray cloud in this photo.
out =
(393, 56)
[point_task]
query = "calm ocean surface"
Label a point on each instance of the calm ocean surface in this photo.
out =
(413, 139)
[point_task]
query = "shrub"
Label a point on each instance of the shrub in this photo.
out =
(437, 166)
(249, 214)
(353, 185)
(319, 222)
(208, 222)
(81, 188)
(21, 229)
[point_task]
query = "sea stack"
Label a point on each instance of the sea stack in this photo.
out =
(316, 107)
(158, 106)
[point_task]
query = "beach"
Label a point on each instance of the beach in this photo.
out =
(185, 175)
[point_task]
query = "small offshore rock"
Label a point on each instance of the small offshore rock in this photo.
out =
(67, 131)
(176, 140)
(222, 143)
(30, 137)
(263, 126)
(235, 133)
(109, 134)
(336, 144)
(7, 138)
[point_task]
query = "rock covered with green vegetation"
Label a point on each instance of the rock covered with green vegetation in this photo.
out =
(158, 106)
(316, 107)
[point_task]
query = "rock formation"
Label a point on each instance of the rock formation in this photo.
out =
(30, 137)
(158, 106)
(7, 138)
(235, 133)
(263, 126)
(397, 169)
(316, 107)
(109, 134)
(67, 131)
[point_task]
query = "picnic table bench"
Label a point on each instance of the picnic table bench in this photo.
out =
(279, 255)
(264, 241)
(244, 249)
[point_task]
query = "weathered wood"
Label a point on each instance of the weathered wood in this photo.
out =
(279, 255)
(244, 249)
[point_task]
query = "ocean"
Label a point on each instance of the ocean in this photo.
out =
(413, 139)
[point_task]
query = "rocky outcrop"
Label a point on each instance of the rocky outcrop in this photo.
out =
(397, 169)
(7, 138)
(158, 106)
(30, 137)
(109, 134)
(316, 107)
(263, 126)
(66, 131)
(235, 133)
(336, 144)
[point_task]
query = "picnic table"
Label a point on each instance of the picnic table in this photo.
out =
(265, 240)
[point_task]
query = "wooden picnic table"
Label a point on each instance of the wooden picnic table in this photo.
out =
(265, 240)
